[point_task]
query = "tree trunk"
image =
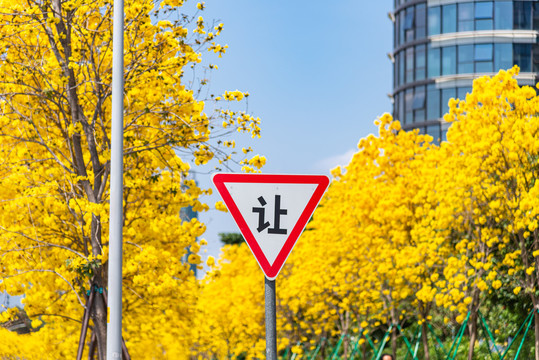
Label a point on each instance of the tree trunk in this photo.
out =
(394, 322)
(345, 325)
(99, 316)
(472, 321)
(472, 328)
(394, 342)
(425, 340)
(424, 309)
(99, 313)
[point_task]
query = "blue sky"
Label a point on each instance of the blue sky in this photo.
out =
(318, 76)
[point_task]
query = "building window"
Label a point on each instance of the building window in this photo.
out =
(536, 16)
(409, 19)
(466, 16)
(434, 23)
(433, 102)
(483, 52)
(433, 62)
(420, 62)
(483, 58)
(449, 18)
(503, 56)
(483, 15)
(396, 71)
(400, 58)
(483, 10)
(409, 22)
(447, 94)
(418, 104)
(434, 131)
(449, 60)
(409, 64)
(535, 58)
(522, 56)
(522, 15)
(401, 108)
(503, 15)
(465, 59)
(420, 21)
(396, 27)
(409, 111)
(401, 27)
(419, 98)
(396, 106)
(463, 91)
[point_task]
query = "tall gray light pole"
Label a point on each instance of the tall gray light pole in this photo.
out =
(114, 327)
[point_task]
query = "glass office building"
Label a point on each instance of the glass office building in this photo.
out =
(440, 46)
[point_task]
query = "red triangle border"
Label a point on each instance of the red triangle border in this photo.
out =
(322, 182)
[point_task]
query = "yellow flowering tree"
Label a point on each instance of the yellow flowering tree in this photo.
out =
(493, 140)
(229, 320)
(55, 101)
(461, 220)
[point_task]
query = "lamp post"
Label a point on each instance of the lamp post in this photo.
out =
(114, 326)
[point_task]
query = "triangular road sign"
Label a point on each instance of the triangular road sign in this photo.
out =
(271, 211)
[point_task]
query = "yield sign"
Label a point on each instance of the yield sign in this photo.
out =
(271, 211)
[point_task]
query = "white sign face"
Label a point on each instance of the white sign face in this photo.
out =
(271, 211)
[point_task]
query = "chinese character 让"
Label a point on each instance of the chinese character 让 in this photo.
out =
(263, 224)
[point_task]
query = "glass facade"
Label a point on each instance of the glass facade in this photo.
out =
(418, 62)
(440, 49)
(411, 24)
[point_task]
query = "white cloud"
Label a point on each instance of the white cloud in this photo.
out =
(336, 160)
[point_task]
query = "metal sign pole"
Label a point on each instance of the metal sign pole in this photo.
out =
(114, 326)
(271, 320)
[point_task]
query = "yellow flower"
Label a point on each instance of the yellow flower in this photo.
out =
(219, 205)
(193, 259)
(257, 161)
(364, 324)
